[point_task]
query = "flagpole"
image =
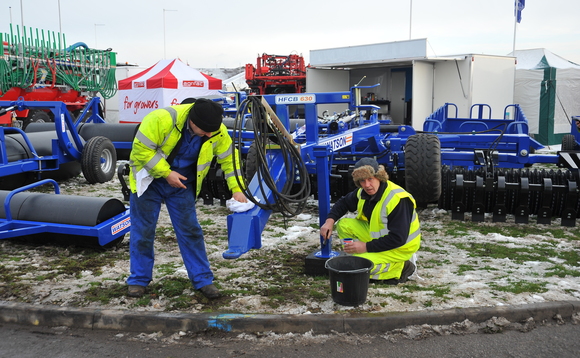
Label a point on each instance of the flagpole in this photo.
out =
(515, 27)
(519, 6)
(514, 52)
(410, 17)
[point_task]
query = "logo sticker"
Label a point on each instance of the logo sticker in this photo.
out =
(120, 226)
(339, 142)
(339, 287)
(192, 83)
(295, 98)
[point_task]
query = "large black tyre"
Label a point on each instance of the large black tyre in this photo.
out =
(423, 168)
(568, 142)
(251, 162)
(99, 160)
(37, 116)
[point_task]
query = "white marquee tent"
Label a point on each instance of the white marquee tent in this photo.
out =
(547, 87)
(164, 84)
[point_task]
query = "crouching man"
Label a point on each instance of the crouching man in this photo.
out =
(386, 229)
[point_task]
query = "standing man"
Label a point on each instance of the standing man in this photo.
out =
(386, 226)
(171, 155)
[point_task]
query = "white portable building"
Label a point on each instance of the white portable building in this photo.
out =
(412, 84)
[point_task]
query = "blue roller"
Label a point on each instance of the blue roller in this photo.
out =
(84, 221)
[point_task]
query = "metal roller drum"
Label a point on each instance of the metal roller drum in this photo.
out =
(116, 132)
(17, 149)
(62, 209)
(39, 127)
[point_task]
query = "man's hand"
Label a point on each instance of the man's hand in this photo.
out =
(239, 196)
(355, 247)
(326, 229)
(174, 180)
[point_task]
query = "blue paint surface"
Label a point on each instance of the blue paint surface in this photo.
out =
(222, 322)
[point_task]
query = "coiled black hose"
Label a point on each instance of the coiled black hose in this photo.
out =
(291, 199)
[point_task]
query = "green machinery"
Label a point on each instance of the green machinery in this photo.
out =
(37, 65)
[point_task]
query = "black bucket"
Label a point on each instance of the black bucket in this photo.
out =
(349, 279)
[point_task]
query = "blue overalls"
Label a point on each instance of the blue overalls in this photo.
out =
(180, 204)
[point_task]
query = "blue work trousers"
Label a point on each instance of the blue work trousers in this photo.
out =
(144, 215)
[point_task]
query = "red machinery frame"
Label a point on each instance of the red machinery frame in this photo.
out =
(275, 74)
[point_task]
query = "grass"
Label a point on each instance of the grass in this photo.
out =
(97, 292)
(562, 271)
(402, 298)
(60, 261)
(518, 287)
(168, 268)
(463, 228)
(465, 268)
(540, 252)
(274, 275)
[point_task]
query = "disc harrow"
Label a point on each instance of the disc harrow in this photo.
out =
(544, 193)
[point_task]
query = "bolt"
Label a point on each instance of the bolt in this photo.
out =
(523, 152)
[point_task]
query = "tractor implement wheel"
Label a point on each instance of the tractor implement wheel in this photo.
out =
(568, 142)
(99, 160)
(423, 168)
(37, 116)
(251, 162)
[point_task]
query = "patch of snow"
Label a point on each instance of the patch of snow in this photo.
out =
(438, 266)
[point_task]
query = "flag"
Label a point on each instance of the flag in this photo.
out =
(519, 6)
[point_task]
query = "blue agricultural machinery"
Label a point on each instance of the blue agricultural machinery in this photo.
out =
(487, 168)
(290, 152)
(62, 148)
(56, 151)
(82, 221)
(52, 129)
(478, 164)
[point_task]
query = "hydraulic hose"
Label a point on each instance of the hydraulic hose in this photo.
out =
(291, 199)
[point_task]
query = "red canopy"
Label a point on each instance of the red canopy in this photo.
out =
(214, 83)
(167, 83)
(169, 74)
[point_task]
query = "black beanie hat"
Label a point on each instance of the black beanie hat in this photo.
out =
(206, 114)
(367, 161)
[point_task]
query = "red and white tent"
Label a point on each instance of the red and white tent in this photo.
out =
(164, 84)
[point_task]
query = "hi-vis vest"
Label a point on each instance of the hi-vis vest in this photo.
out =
(159, 133)
(380, 215)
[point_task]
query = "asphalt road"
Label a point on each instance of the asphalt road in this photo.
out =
(20, 341)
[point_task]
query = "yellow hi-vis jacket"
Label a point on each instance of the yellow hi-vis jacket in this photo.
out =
(159, 133)
(390, 199)
(389, 264)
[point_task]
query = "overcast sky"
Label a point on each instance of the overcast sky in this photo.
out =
(209, 34)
